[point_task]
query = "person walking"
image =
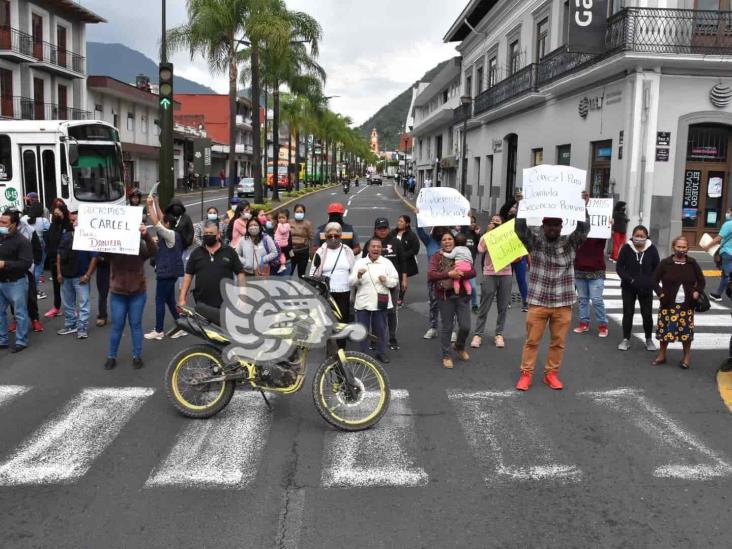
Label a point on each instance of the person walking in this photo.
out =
(237, 228)
(410, 248)
(60, 224)
(637, 261)
(257, 250)
(74, 269)
(589, 279)
(520, 267)
(495, 285)
(453, 303)
(212, 214)
(432, 243)
(619, 229)
(128, 296)
(551, 293)
(677, 281)
(472, 235)
(724, 241)
(16, 257)
(182, 224)
(374, 278)
(350, 237)
(29, 232)
(34, 217)
(302, 234)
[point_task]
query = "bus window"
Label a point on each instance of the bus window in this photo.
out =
(30, 172)
(97, 174)
(48, 160)
(64, 173)
(6, 162)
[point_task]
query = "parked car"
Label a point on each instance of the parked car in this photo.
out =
(246, 187)
(375, 180)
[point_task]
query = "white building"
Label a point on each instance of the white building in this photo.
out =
(43, 59)
(649, 119)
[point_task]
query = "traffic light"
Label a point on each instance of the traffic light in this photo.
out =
(165, 92)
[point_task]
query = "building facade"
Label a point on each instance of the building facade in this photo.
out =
(649, 118)
(43, 59)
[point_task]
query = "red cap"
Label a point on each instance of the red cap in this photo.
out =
(336, 208)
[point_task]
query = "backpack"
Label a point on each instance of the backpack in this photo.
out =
(275, 264)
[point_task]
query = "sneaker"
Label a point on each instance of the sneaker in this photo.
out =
(447, 363)
(476, 342)
(552, 380)
(37, 326)
(178, 334)
(394, 345)
(602, 331)
(453, 337)
(101, 322)
(110, 363)
(582, 328)
(282, 269)
(13, 326)
(66, 330)
(524, 382)
(43, 279)
(155, 335)
(463, 355)
(41, 295)
(18, 349)
(524, 307)
(82, 335)
(137, 363)
(651, 345)
(500, 343)
(624, 345)
(475, 309)
(53, 312)
(430, 334)
(715, 297)
(383, 358)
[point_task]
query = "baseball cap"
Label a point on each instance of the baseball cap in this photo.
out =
(235, 200)
(336, 208)
(381, 223)
(32, 195)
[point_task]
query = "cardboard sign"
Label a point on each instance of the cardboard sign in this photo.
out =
(553, 191)
(107, 228)
(503, 245)
(600, 211)
(442, 207)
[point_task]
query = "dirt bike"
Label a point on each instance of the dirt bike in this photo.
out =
(350, 389)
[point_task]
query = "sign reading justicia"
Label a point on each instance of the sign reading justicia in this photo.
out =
(587, 26)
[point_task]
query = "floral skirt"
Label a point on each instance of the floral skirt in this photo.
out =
(675, 324)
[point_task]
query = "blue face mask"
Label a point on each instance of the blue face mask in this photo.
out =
(4, 230)
(212, 217)
(299, 216)
(269, 224)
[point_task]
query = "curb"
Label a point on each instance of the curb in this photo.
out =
(403, 199)
(724, 384)
(298, 199)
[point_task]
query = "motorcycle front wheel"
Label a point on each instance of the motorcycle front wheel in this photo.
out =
(348, 410)
(195, 364)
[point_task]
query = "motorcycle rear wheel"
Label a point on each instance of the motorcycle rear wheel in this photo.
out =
(197, 401)
(344, 412)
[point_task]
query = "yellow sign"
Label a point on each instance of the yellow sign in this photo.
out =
(504, 245)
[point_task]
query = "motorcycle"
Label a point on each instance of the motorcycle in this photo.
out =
(350, 389)
(346, 187)
(356, 181)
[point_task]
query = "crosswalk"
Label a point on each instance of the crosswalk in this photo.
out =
(713, 328)
(510, 442)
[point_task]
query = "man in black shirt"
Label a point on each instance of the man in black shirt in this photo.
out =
(210, 263)
(16, 257)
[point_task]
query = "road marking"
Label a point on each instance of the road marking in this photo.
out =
(724, 383)
(63, 449)
(703, 341)
(221, 452)
(198, 203)
(700, 320)
(692, 459)
(380, 456)
(618, 304)
(9, 393)
(498, 429)
(345, 213)
(362, 190)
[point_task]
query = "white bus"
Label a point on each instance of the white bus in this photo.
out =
(79, 161)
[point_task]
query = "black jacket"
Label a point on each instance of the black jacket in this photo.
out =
(636, 269)
(55, 232)
(183, 225)
(410, 248)
(620, 219)
(17, 253)
(392, 250)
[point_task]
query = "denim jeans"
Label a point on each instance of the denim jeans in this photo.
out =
(73, 294)
(726, 271)
(164, 295)
(126, 308)
(474, 292)
(38, 267)
(519, 269)
(591, 290)
(15, 294)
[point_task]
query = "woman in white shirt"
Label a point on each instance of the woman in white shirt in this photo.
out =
(336, 262)
(373, 277)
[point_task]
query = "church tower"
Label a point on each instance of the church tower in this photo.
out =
(375, 141)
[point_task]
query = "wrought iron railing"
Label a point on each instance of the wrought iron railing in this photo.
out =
(24, 108)
(24, 44)
(14, 40)
(515, 85)
(560, 62)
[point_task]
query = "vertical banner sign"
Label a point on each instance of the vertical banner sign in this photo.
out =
(690, 202)
(587, 26)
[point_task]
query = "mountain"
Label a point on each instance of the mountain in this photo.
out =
(389, 119)
(123, 63)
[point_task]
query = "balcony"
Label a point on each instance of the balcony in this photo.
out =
(519, 83)
(23, 108)
(22, 47)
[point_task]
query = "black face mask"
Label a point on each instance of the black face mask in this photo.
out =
(209, 240)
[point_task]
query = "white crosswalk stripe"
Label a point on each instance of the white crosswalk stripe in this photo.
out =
(11, 392)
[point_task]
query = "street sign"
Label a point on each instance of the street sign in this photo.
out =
(587, 26)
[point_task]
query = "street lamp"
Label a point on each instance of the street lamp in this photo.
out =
(465, 102)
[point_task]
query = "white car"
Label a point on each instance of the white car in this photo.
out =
(246, 187)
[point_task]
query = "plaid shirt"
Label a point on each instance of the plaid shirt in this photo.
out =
(551, 277)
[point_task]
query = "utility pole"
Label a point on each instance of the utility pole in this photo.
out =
(166, 188)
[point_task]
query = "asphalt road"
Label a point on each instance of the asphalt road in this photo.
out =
(628, 455)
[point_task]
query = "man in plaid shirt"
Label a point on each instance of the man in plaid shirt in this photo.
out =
(551, 293)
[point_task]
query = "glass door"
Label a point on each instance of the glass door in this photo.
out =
(704, 201)
(48, 173)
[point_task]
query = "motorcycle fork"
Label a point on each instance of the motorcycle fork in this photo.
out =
(344, 374)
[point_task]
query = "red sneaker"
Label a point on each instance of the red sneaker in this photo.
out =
(12, 327)
(582, 328)
(53, 312)
(37, 326)
(602, 331)
(552, 380)
(524, 382)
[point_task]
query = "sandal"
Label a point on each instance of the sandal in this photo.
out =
(683, 365)
(657, 362)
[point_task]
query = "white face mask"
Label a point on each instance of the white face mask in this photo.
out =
(728, 216)
(212, 217)
(299, 216)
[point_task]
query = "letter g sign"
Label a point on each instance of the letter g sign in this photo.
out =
(583, 18)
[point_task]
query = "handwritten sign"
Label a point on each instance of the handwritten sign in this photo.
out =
(503, 245)
(442, 206)
(553, 191)
(107, 228)
(600, 211)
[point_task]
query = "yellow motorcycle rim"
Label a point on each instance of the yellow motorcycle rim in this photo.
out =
(366, 366)
(174, 381)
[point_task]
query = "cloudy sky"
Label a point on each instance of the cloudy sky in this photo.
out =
(372, 49)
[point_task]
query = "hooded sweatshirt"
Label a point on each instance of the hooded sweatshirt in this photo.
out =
(635, 268)
(183, 224)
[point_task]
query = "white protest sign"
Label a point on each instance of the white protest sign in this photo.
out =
(442, 206)
(107, 228)
(600, 211)
(553, 191)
